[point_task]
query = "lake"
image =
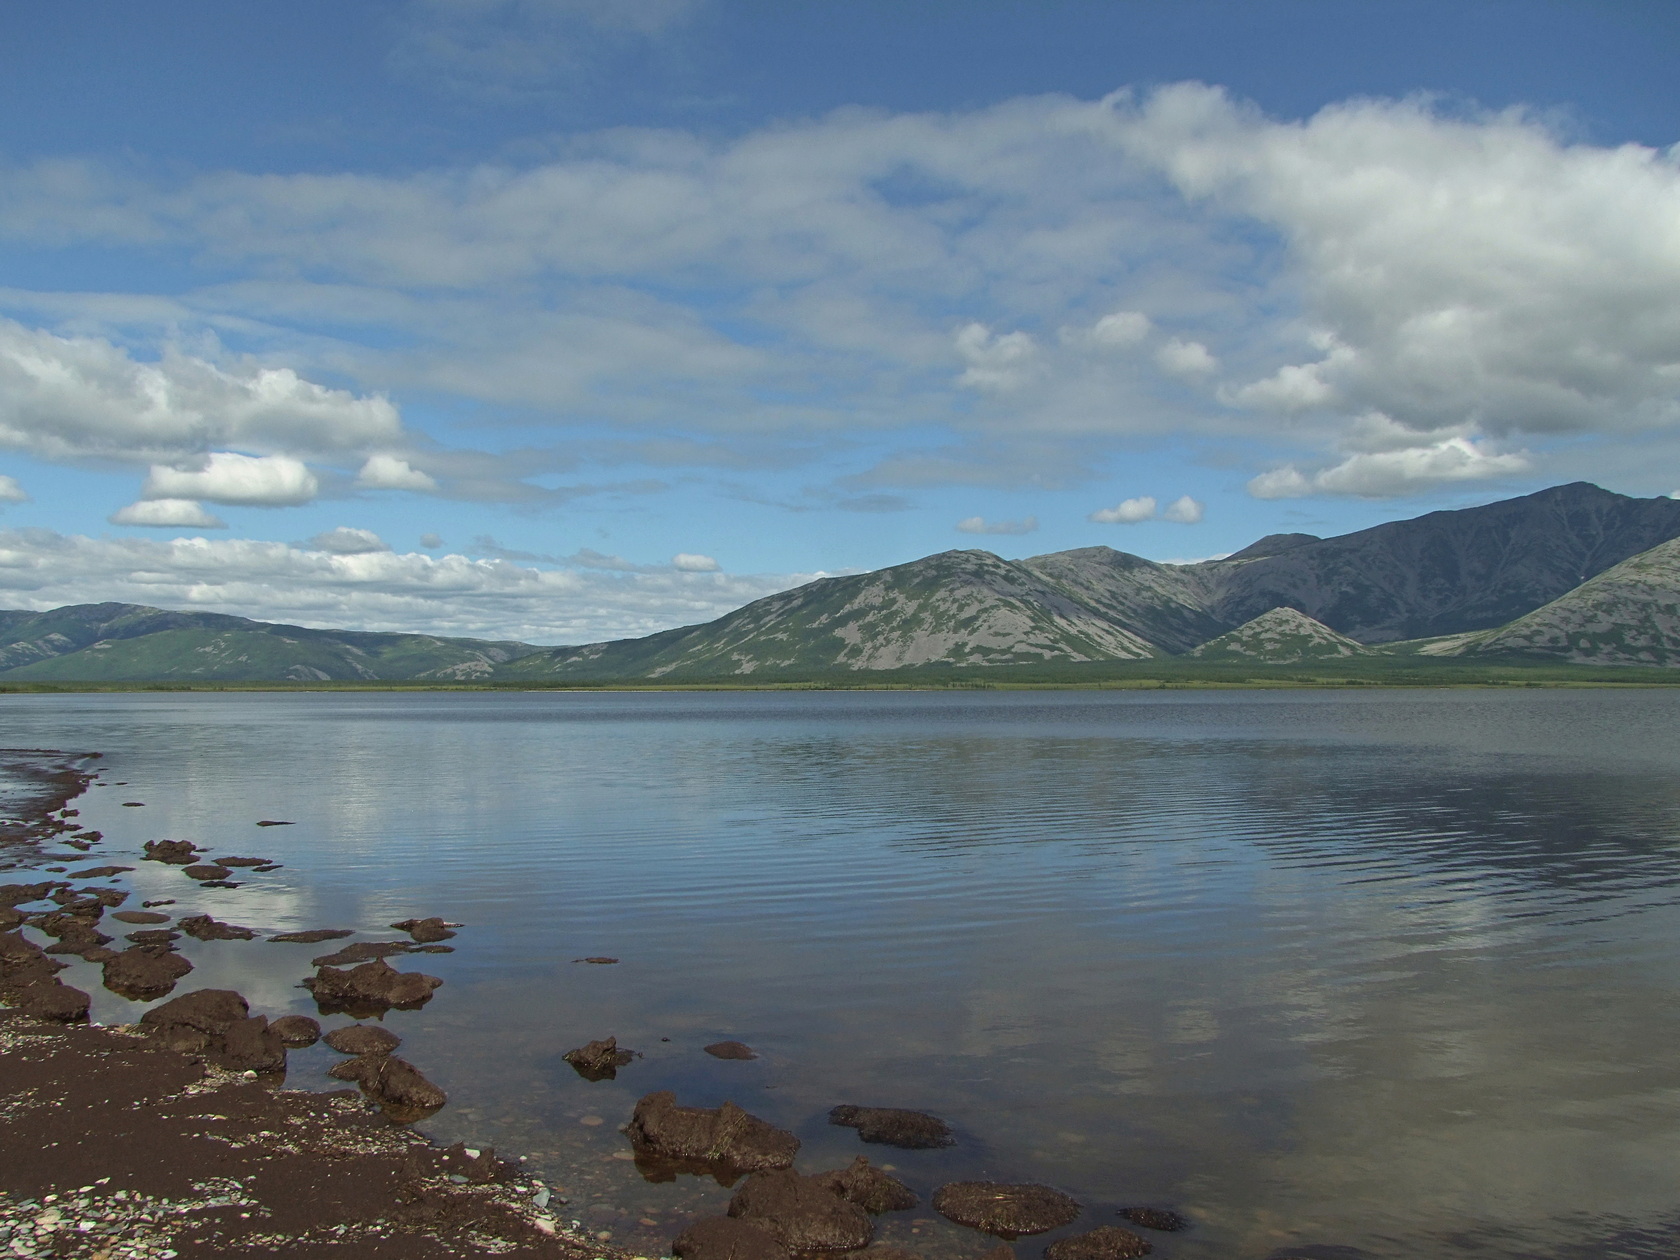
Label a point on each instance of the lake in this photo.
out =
(1368, 973)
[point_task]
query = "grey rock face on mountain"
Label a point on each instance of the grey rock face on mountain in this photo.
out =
(1281, 637)
(1628, 615)
(1443, 573)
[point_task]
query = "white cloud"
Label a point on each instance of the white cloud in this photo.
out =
(346, 540)
(1185, 358)
(448, 594)
(1121, 329)
(11, 491)
(1184, 510)
(1476, 272)
(228, 477)
(980, 525)
(1126, 512)
(387, 472)
(1382, 474)
(167, 513)
(688, 562)
(1000, 361)
(76, 397)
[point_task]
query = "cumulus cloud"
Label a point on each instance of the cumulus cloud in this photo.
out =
(78, 397)
(387, 472)
(346, 540)
(167, 513)
(229, 477)
(1126, 512)
(11, 491)
(383, 590)
(1184, 510)
(1383, 474)
(1185, 358)
(980, 525)
(996, 361)
(1443, 268)
(689, 562)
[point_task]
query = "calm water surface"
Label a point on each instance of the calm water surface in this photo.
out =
(1386, 974)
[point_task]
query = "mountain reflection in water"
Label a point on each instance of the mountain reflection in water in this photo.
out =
(1362, 973)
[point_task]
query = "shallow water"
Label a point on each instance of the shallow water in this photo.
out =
(1390, 971)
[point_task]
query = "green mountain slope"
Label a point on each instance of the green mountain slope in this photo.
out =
(131, 642)
(1281, 637)
(1628, 615)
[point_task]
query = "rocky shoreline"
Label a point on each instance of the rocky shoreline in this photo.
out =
(173, 1136)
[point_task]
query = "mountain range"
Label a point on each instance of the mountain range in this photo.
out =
(1574, 573)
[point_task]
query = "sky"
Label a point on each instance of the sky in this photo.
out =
(569, 320)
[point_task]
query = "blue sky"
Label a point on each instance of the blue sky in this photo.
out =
(572, 319)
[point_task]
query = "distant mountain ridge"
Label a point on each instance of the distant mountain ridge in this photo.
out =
(1440, 574)
(128, 642)
(1572, 573)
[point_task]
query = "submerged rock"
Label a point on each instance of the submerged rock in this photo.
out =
(144, 972)
(174, 852)
(730, 1050)
(802, 1212)
(726, 1238)
(724, 1135)
(892, 1126)
(599, 1060)
(361, 951)
(202, 927)
(394, 1083)
(207, 872)
(1154, 1218)
(425, 931)
(1105, 1242)
(152, 936)
(868, 1187)
(217, 1025)
(312, 936)
(1005, 1210)
(296, 1031)
(363, 1039)
(140, 916)
(370, 989)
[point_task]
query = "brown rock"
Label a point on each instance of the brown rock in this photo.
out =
(802, 1212)
(18, 894)
(1154, 1218)
(100, 872)
(144, 972)
(54, 1001)
(730, 1050)
(1005, 1210)
(9, 918)
(296, 1031)
(140, 916)
(217, 1025)
(599, 1060)
(24, 963)
(174, 852)
(250, 1046)
(892, 1126)
(425, 931)
(312, 936)
(242, 861)
(722, 1135)
(1105, 1242)
(394, 1083)
(369, 989)
(600, 960)
(202, 927)
(1003, 1251)
(363, 1039)
(273, 822)
(869, 1188)
(724, 1238)
(206, 871)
